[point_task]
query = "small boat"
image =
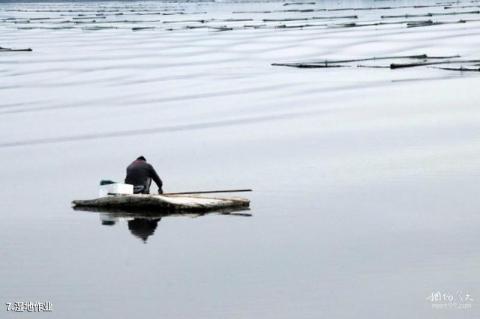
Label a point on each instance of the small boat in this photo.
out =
(163, 203)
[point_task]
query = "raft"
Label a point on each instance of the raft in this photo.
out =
(163, 203)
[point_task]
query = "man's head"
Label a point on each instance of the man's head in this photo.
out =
(141, 158)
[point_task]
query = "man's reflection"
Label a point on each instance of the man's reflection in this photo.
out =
(139, 227)
(142, 227)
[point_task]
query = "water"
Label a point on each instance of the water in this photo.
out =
(365, 180)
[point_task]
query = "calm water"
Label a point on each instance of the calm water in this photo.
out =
(365, 180)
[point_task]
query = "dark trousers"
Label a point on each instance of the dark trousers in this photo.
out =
(143, 189)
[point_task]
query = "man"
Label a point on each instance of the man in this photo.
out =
(140, 175)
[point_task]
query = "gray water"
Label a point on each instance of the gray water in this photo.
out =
(365, 180)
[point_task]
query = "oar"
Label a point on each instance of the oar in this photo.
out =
(210, 192)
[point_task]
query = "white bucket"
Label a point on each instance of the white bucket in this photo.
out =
(116, 188)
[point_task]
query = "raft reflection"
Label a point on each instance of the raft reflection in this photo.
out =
(142, 224)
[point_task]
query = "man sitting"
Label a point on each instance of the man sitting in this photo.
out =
(140, 175)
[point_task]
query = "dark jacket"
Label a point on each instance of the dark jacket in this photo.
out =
(139, 172)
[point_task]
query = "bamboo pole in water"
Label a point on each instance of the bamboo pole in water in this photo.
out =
(210, 192)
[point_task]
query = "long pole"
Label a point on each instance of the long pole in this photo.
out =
(210, 192)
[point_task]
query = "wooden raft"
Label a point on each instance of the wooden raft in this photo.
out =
(189, 203)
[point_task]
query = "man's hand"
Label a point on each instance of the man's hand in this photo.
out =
(160, 191)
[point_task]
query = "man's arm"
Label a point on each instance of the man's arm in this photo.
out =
(154, 176)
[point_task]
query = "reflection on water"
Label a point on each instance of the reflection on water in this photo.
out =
(142, 224)
(142, 227)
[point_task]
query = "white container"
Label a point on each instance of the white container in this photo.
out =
(117, 188)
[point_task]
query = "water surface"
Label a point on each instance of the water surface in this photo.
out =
(365, 180)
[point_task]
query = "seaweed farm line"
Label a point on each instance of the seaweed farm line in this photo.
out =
(151, 15)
